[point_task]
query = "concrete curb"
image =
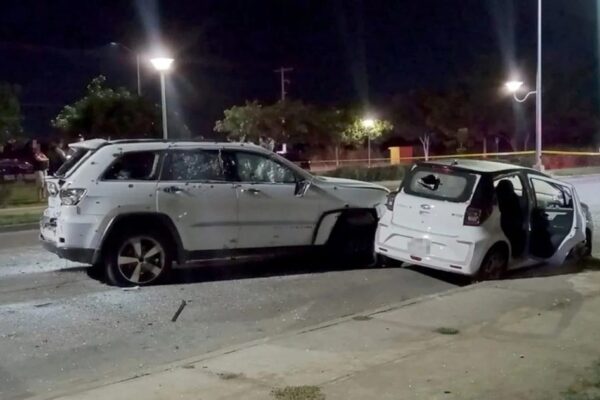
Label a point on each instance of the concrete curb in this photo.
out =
(19, 227)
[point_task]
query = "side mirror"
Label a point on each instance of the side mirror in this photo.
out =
(301, 188)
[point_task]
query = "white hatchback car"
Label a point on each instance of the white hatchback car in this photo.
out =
(138, 206)
(480, 218)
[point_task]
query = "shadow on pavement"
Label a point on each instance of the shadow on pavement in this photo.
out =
(568, 267)
(258, 268)
(454, 279)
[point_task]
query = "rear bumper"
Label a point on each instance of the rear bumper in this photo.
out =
(450, 254)
(85, 256)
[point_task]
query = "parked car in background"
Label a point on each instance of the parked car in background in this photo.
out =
(135, 207)
(12, 169)
(482, 218)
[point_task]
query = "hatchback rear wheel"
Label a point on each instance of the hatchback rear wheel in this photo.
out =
(494, 264)
(138, 259)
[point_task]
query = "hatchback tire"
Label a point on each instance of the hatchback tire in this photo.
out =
(494, 264)
(138, 259)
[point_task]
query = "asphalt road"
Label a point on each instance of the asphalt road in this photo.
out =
(60, 329)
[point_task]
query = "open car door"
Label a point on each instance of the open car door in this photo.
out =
(557, 220)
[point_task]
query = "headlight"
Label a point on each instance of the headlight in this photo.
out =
(70, 197)
(52, 189)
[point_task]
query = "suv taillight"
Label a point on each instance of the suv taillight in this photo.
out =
(389, 203)
(475, 216)
(52, 189)
(71, 197)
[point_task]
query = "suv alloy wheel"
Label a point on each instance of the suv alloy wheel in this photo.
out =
(137, 259)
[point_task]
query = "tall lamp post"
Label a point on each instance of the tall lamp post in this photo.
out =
(515, 86)
(162, 65)
(137, 62)
(368, 124)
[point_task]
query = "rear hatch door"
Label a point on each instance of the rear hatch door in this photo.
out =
(434, 200)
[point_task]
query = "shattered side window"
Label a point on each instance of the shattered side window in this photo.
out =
(194, 165)
(257, 168)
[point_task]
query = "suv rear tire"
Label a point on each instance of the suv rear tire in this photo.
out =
(137, 258)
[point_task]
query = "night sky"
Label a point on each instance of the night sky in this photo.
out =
(342, 52)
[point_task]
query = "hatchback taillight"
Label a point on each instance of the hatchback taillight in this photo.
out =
(389, 203)
(475, 216)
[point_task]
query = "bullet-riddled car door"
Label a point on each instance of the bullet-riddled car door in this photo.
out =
(557, 220)
(195, 193)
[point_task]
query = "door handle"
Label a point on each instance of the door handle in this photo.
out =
(172, 189)
(251, 191)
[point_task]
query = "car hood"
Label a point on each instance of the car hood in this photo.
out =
(349, 183)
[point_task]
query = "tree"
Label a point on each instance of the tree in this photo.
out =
(292, 122)
(10, 112)
(356, 132)
(107, 112)
(425, 140)
(242, 123)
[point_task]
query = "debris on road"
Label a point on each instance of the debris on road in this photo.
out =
(447, 331)
(179, 310)
(131, 289)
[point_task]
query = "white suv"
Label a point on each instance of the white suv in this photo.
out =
(136, 207)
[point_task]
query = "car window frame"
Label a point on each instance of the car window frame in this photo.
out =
(235, 173)
(118, 156)
(226, 173)
(522, 179)
(560, 186)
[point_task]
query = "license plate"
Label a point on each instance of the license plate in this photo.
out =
(418, 247)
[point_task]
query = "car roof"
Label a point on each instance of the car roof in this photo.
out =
(480, 166)
(159, 144)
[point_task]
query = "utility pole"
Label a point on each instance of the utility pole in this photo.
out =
(281, 71)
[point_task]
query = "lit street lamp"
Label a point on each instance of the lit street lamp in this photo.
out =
(162, 65)
(368, 124)
(514, 86)
(137, 61)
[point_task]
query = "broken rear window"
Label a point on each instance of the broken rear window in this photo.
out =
(440, 184)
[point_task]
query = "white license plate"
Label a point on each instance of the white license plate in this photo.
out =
(418, 247)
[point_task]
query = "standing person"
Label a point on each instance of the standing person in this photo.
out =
(56, 157)
(40, 166)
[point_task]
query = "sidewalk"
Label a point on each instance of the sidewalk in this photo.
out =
(521, 339)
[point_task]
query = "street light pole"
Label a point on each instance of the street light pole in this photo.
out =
(139, 81)
(514, 86)
(369, 148)
(368, 124)
(162, 65)
(538, 95)
(163, 96)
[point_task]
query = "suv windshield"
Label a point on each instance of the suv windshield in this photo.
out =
(71, 162)
(440, 184)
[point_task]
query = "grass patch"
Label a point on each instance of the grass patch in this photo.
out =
(375, 174)
(447, 331)
(18, 194)
(586, 387)
(20, 218)
(298, 393)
